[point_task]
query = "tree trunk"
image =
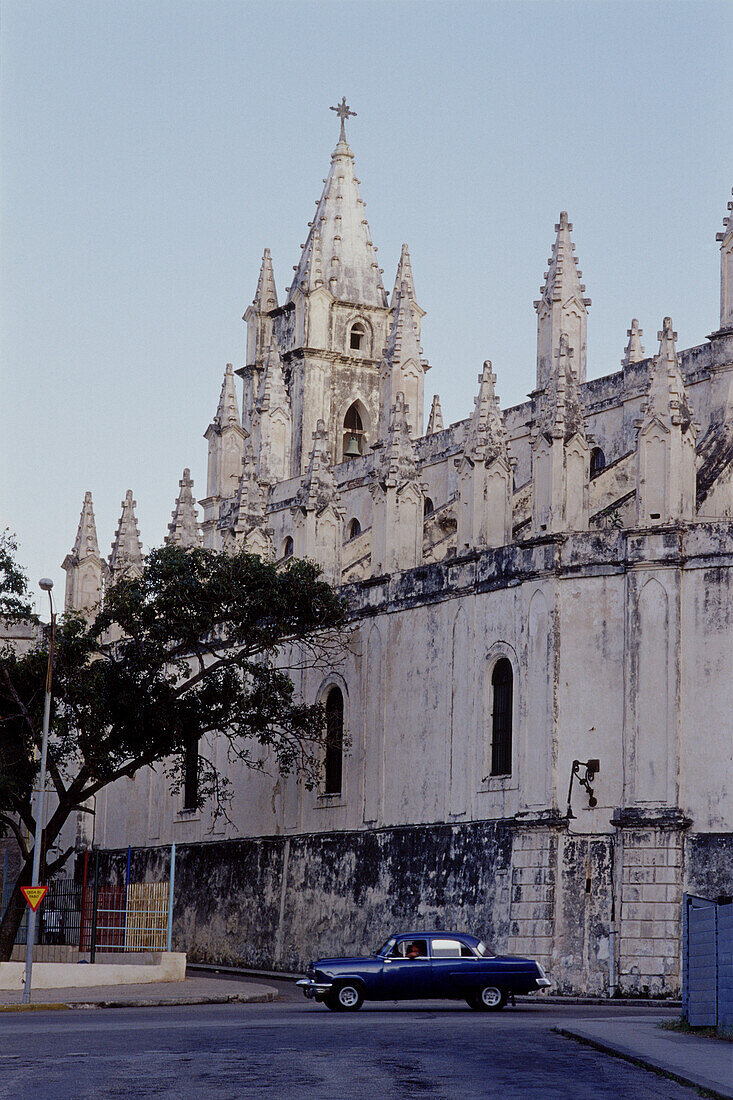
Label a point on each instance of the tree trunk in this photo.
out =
(14, 913)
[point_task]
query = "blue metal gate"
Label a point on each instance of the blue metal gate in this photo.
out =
(707, 973)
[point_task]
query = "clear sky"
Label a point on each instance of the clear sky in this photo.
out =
(152, 149)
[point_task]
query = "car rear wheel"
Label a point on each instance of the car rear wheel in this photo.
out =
(488, 999)
(345, 998)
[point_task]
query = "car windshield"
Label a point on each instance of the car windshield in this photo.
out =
(487, 952)
(386, 947)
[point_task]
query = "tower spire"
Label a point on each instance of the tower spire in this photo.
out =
(127, 550)
(265, 297)
(351, 272)
(86, 543)
(184, 529)
(84, 566)
(403, 370)
(227, 411)
(561, 307)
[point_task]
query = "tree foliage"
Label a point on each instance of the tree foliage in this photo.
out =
(14, 601)
(202, 642)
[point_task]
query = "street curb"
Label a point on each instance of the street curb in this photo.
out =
(608, 1002)
(659, 1068)
(161, 1002)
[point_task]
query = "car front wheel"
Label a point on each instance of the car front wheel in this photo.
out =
(488, 999)
(345, 998)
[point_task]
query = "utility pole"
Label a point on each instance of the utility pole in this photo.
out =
(46, 584)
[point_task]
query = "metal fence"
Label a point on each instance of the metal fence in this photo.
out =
(59, 914)
(128, 918)
(135, 917)
(707, 962)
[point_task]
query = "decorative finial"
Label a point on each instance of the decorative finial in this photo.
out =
(344, 112)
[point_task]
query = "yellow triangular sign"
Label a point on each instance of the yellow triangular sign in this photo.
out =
(34, 895)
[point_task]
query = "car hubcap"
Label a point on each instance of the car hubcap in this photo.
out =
(491, 996)
(348, 996)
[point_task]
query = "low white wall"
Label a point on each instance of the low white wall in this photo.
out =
(171, 968)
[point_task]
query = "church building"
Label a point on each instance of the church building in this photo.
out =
(534, 717)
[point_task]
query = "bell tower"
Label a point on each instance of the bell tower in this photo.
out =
(333, 325)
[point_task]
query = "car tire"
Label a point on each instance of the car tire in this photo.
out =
(345, 997)
(489, 998)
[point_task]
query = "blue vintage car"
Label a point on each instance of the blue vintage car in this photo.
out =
(413, 965)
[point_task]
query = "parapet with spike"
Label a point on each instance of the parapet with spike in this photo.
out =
(561, 409)
(634, 350)
(319, 488)
(726, 272)
(486, 437)
(435, 420)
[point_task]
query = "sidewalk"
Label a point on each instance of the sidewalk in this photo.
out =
(704, 1063)
(192, 991)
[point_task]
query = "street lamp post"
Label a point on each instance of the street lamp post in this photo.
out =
(46, 584)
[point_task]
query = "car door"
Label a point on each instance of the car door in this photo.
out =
(404, 977)
(455, 967)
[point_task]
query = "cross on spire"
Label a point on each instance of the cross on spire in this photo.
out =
(344, 112)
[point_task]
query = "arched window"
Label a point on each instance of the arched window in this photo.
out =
(354, 436)
(597, 461)
(357, 336)
(353, 529)
(333, 763)
(429, 508)
(288, 547)
(502, 689)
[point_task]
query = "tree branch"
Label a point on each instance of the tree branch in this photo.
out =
(15, 828)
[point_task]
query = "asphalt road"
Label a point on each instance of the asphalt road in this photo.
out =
(293, 1048)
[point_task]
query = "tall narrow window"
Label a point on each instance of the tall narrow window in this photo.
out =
(333, 764)
(356, 336)
(502, 684)
(288, 547)
(597, 461)
(354, 436)
(191, 773)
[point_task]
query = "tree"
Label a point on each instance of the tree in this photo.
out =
(201, 642)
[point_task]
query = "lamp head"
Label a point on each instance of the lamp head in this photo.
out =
(46, 584)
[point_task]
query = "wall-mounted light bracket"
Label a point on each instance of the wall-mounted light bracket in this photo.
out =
(591, 769)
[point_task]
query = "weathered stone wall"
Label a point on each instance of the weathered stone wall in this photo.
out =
(280, 901)
(534, 890)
